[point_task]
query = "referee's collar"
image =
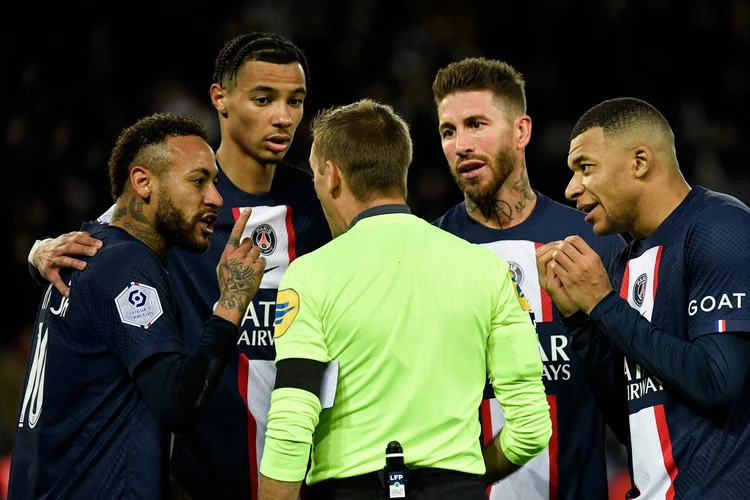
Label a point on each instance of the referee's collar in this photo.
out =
(381, 210)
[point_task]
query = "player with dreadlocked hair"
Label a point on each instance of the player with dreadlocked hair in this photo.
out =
(258, 89)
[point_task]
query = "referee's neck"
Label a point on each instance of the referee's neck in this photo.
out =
(356, 208)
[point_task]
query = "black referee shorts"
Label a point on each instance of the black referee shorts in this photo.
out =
(422, 484)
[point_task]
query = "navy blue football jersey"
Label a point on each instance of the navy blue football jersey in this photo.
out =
(690, 278)
(574, 464)
(84, 430)
(221, 458)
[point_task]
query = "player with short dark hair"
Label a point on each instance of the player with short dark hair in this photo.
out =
(664, 332)
(259, 88)
(484, 127)
(108, 377)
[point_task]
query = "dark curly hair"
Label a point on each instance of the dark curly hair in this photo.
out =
(139, 144)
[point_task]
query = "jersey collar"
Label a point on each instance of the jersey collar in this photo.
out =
(381, 210)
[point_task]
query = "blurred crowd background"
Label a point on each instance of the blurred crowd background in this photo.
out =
(73, 78)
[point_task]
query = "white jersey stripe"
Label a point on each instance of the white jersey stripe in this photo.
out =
(654, 469)
(521, 258)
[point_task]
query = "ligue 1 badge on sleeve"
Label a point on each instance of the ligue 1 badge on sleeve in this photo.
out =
(139, 305)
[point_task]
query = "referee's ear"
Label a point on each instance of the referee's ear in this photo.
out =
(334, 179)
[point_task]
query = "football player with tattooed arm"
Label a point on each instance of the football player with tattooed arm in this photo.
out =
(664, 332)
(484, 129)
(259, 86)
(108, 376)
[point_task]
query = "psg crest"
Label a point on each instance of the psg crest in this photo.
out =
(639, 289)
(265, 237)
(517, 272)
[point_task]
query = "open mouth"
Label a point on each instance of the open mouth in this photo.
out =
(470, 168)
(207, 223)
(278, 143)
(587, 208)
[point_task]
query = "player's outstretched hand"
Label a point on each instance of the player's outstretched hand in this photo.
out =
(550, 282)
(240, 272)
(52, 255)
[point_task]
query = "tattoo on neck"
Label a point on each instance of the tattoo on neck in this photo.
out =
(119, 213)
(523, 188)
(146, 234)
(136, 210)
(499, 210)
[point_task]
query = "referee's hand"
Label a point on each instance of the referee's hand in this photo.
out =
(239, 272)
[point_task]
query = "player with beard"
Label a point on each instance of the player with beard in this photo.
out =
(484, 128)
(108, 377)
(259, 87)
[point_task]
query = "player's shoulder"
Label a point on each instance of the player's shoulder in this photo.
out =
(451, 218)
(291, 181)
(715, 207)
(120, 251)
(717, 226)
(294, 186)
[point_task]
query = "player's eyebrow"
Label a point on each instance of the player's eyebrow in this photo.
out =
(271, 90)
(580, 157)
(467, 120)
(475, 118)
(264, 88)
(446, 125)
(201, 170)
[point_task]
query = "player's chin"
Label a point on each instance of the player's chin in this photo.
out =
(604, 227)
(198, 243)
(268, 156)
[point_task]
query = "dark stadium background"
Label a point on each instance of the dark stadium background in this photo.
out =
(73, 77)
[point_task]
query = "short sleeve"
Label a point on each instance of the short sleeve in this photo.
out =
(717, 256)
(298, 326)
(126, 296)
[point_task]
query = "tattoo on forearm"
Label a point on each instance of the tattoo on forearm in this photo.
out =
(240, 280)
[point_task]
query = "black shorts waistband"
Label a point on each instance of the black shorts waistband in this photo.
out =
(415, 478)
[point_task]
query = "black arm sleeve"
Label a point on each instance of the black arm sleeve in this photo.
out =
(305, 374)
(177, 387)
(708, 372)
(603, 368)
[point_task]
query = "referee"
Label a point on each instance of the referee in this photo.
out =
(389, 332)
